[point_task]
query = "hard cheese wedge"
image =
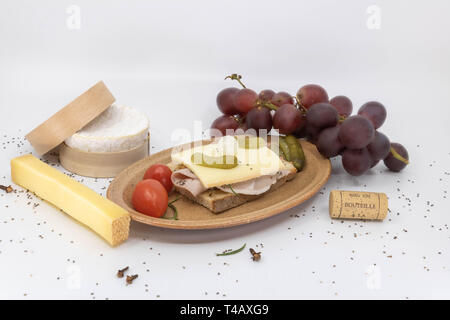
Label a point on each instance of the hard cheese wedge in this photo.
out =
(85, 205)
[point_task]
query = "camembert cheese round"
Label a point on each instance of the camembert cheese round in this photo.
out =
(119, 128)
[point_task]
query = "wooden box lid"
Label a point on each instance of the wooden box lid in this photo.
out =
(70, 119)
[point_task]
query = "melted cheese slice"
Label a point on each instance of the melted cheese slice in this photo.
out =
(109, 220)
(252, 163)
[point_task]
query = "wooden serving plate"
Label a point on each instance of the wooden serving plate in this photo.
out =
(194, 216)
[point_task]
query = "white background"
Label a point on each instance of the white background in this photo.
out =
(169, 59)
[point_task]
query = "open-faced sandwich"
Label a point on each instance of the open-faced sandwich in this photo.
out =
(229, 171)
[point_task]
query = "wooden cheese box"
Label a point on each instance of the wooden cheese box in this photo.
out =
(51, 135)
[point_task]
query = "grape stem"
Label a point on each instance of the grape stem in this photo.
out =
(299, 105)
(398, 156)
(270, 106)
(266, 104)
(236, 77)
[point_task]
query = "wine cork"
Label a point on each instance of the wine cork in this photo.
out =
(358, 205)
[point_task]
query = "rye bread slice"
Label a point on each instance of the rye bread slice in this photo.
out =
(218, 201)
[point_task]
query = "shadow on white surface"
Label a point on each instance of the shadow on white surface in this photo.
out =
(139, 230)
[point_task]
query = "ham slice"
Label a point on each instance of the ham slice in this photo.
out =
(253, 186)
(185, 179)
(188, 181)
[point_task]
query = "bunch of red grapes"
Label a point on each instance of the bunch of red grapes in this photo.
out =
(327, 123)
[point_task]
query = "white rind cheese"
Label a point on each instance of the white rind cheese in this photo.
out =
(117, 129)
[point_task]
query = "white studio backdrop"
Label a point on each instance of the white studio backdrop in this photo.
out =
(172, 56)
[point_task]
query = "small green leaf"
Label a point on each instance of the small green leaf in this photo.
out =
(234, 192)
(175, 211)
(228, 253)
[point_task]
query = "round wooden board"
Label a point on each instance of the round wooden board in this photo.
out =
(194, 216)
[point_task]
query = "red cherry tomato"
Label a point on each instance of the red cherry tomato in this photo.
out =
(162, 173)
(150, 198)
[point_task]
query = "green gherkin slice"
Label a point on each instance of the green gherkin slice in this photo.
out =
(296, 152)
(222, 162)
(284, 147)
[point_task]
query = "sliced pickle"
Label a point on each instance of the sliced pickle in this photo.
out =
(284, 147)
(296, 152)
(281, 153)
(222, 162)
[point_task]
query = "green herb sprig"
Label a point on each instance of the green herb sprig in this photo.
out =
(228, 253)
(175, 211)
(232, 190)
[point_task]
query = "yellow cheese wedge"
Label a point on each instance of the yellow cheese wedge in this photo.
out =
(253, 163)
(85, 205)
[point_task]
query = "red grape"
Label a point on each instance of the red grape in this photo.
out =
(356, 132)
(343, 105)
(356, 162)
(311, 94)
(223, 123)
(374, 163)
(225, 101)
(259, 119)
(300, 131)
(322, 115)
(312, 132)
(287, 119)
(328, 143)
(393, 163)
(243, 126)
(375, 112)
(379, 147)
(266, 95)
(245, 100)
(281, 98)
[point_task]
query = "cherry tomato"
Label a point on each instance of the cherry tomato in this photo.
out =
(162, 173)
(150, 198)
